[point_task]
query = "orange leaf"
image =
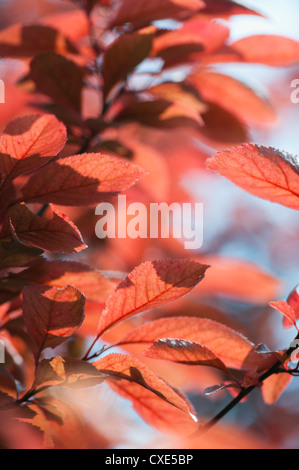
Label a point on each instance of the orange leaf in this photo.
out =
(67, 371)
(180, 93)
(184, 352)
(155, 401)
(231, 347)
(274, 386)
(91, 283)
(56, 234)
(287, 311)
(51, 315)
(81, 179)
(224, 9)
(26, 41)
(72, 24)
(264, 172)
(27, 143)
(150, 285)
(293, 300)
(268, 49)
(232, 95)
(144, 12)
(239, 279)
(123, 55)
(158, 113)
(59, 78)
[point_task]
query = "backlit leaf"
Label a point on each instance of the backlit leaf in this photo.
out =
(28, 40)
(54, 233)
(152, 398)
(27, 143)
(268, 49)
(232, 348)
(264, 172)
(51, 315)
(151, 284)
(59, 78)
(81, 180)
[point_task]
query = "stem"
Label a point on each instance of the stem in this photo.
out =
(273, 370)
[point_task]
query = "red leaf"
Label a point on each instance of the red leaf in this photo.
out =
(232, 95)
(231, 347)
(72, 24)
(274, 386)
(184, 352)
(91, 283)
(123, 55)
(81, 180)
(150, 285)
(155, 401)
(27, 143)
(222, 126)
(143, 12)
(51, 315)
(268, 49)
(287, 311)
(239, 279)
(178, 93)
(264, 172)
(59, 78)
(56, 233)
(159, 113)
(26, 41)
(188, 42)
(225, 9)
(68, 372)
(293, 300)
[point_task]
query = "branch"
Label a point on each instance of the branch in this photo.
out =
(275, 369)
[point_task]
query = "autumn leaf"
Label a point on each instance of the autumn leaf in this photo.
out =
(153, 399)
(268, 49)
(14, 254)
(59, 78)
(225, 9)
(174, 46)
(94, 285)
(179, 92)
(274, 386)
(232, 348)
(67, 372)
(123, 55)
(158, 113)
(293, 300)
(232, 95)
(222, 126)
(184, 352)
(239, 279)
(144, 12)
(81, 179)
(265, 172)
(28, 40)
(51, 315)
(287, 311)
(72, 24)
(150, 285)
(54, 233)
(28, 143)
